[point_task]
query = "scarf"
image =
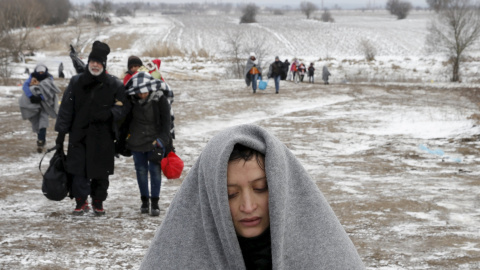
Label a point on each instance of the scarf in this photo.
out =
(143, 82)
(198, 233)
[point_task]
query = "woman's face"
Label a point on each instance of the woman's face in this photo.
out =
(248, 197)
(142, 95)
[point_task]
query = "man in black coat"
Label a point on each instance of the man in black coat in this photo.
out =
(276, 71)
(91, 104)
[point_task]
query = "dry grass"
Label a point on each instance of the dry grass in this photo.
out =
(121, 41)
(163, 50)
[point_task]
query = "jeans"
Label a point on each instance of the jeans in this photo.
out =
(42, 134)
(253, 78)
(276, 79)
(310, 79)
(142, 167)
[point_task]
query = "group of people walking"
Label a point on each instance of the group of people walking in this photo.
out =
(281, 71)
(238, 202)
(104, 117)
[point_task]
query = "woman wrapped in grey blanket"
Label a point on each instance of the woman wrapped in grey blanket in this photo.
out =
(248, 203)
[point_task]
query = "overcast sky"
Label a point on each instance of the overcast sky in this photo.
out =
(346, 4)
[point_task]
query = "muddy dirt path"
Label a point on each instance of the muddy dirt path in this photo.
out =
(403, 207)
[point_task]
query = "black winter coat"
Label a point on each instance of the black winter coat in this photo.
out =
(276, 69)
(152, 121)
(91, 142)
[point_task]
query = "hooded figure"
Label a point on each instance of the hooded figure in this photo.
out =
(39, 102)
(325, 74)
(198, 231)
(252, 71)
(146, 133)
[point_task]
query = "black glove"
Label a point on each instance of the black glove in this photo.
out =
(59, 140)
(102, 116)
(35, 99)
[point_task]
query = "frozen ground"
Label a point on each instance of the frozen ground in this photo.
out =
(397, 159)
(365, 146)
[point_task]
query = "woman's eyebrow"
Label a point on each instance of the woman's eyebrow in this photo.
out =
(254, 180)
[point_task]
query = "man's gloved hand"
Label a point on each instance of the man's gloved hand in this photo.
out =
(59, 140)
(102, 116)
(35, 99)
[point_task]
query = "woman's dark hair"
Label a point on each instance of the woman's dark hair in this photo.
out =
(242, 152)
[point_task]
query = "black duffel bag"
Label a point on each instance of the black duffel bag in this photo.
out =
(56, 183)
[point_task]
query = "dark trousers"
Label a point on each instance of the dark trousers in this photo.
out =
(96, 188)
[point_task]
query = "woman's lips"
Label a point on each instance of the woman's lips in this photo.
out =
(250, 222)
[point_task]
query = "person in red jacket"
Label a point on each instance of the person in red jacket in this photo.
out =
(133, 64)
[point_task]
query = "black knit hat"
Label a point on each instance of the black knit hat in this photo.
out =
(99, 53)
(134, 61)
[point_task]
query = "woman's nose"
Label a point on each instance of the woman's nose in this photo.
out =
(248, 204)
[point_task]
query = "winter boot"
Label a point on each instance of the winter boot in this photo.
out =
(155, 209)
(97, 206)
(144, 209)
(40, 146)
(81, 208)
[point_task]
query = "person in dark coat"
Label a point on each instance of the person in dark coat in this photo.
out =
(311, 73)
(146, 132)
(286, 65)
(276, 71)
(60, 71)
(91, 104)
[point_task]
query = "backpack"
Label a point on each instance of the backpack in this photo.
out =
(56, 183)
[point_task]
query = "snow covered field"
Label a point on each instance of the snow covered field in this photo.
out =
(395, 151)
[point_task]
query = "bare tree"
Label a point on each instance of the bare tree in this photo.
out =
(100, 10)
(308, 8)
(368, 49)
(438, 5)
(18, 18)
(454, 31)
(249, 14)
(399, 8)
(235, 40)
(327, 16)
(58, 10)
(136, 6)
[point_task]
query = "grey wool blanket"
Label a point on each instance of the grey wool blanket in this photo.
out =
(248, 66)
(198, 232)
(38, 113)
(49, 104)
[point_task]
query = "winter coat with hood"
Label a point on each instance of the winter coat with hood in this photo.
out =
(198, 232)
(325, 73)
(147, 119)
(91, 143)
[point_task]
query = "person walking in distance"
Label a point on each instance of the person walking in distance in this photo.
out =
(311, 73)
(252, 72)
(276, 71)
(39, 102)
(325, 74)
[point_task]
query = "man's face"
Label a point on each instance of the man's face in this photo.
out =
(134, 68)
(95, 67)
